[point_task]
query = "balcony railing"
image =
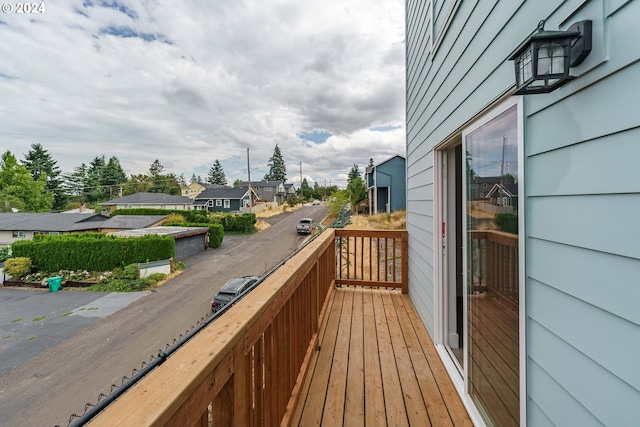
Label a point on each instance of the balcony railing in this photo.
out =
(493, 262)
(248, 366)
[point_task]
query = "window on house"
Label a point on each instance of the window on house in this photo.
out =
(19, 234)
(227, 204)
(218, 202)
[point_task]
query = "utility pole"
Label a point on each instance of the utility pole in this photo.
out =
(300, 178)
(249, 179)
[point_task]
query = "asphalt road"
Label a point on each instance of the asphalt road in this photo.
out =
(73, 363)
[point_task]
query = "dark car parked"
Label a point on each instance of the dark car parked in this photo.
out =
(230, 290)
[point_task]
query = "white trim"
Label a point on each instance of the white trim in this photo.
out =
(491, 113)
(435, 40)
(440, 266)
(522, 315)
(452, 369)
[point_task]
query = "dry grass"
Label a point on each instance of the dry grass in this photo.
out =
(269, 212)
(393, 221)
(261, 226)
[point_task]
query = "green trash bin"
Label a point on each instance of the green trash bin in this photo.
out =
(54, 283)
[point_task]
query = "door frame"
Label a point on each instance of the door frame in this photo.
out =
(441, 258)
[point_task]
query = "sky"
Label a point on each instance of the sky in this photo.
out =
(188, 82)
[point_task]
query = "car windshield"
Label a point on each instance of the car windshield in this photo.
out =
(232, 286)
(305, 221)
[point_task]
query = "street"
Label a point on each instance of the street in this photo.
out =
(59, 381)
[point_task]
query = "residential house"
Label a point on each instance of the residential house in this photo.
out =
(386, 185)
(267, 191)
(150, 201)
(225, 199)
(193, 189)
(541, 327)
(289, 191)
(23, 226)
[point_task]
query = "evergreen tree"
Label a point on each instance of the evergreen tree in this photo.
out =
(277, 168)
(353, 174)
(237, 182)
(216, 174)
(194, 178)
(19, 190)
(163, 183)
(140, 183)
(75, 184)
(39, 161)
(113, 176)
(371, 163)
(305, 190)
(156, 168)
(95, 175)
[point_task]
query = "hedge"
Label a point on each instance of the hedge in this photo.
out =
(216, 232)
(240, 223)
(92, 251)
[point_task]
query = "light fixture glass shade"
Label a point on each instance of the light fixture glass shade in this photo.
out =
(542, 62)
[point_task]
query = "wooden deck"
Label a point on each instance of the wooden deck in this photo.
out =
(376, 366)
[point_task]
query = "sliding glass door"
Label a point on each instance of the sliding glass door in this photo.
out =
(490, 151)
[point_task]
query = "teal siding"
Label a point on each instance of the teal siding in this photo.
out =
(392, 174)
(581, 198)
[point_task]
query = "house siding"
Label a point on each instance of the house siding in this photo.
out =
(581, 193)
(392, 174)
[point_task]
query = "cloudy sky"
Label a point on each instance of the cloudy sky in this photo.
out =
(187, 82)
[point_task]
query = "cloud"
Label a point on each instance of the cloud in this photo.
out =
(191, 82)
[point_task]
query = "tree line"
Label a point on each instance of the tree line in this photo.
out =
(36, 183)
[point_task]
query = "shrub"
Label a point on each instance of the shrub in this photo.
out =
(93, 251)
(293, 201)
(5, 253)
(17, 267)
(175, 217)
(507, 222)
(216, 235)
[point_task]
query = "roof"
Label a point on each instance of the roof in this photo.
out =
(132, 221)
(221, 193)
(49, 221)
(72, 221)
(149, 199)
(389, 159)
(259, 184)
(173, 231)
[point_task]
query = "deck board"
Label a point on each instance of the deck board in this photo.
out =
(377, 367)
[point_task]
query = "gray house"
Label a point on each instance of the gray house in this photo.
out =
(225, 199)
(268, 191)
(387, 185)
(537, 321)
(151, 201)
(23, 226)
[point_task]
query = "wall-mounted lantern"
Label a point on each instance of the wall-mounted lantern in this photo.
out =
(542, 62)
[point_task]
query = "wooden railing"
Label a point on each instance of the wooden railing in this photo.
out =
(243, 369)
(493, 262)
(372, 258)
(247, 367)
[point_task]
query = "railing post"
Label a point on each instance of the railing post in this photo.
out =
(240, 383)
(405, 263)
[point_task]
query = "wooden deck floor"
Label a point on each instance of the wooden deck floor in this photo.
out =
(377, 366)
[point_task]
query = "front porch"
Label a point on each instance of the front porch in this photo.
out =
(330, 338)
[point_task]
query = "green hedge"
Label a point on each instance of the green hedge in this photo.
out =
(239, 223)
(92, 251)
(507, 222)
(216, 231)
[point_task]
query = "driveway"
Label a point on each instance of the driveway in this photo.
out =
(33, 320)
